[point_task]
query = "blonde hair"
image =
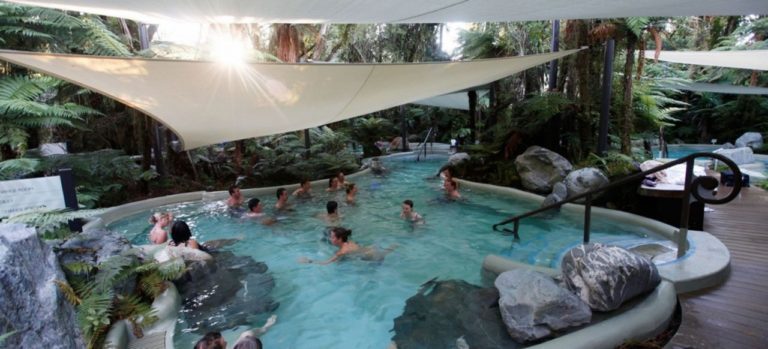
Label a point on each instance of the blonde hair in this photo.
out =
(157, 216)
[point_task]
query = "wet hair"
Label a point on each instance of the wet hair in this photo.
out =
(210, 341)
(248, 342)
(409, 203)
(454, 184)
(232, 189)
(350, 187)
(180, 232)
(331, 206)
(280, 192)
(341, 233)
(330, 181)
(156, 217)
(304, 181)
(253, 203)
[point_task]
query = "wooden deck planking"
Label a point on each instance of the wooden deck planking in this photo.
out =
(734, 314)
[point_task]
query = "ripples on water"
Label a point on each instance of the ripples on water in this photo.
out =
(352, 304)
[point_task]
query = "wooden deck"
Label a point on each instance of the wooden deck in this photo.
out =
(734, 314)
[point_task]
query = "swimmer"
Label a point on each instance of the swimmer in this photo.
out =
(255, 210)
(409, 214)
(333, 184)
(235, 197)
(304, 189)
(248, 339)
(282, 200)
(332, 215)
(158, 234)
(342, 179)
(376, 166)
(452, 190)
(351, 192)
(181, 236)
(340, 238)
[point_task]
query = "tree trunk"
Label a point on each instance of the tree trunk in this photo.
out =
(626, 113)
(239, 147)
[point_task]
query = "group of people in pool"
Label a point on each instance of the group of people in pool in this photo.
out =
(180, 233)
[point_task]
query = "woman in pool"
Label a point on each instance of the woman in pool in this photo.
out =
(181, 236)
(340, 238)
(351, 192)
(333, 184)
(342, 179)
(158, 235)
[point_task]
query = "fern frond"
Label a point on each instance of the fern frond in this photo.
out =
(110, 270)
(47, 220)
(80, 267)
(96, 39)
(68, 291)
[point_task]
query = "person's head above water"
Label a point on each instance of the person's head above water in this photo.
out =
(211, 340)
(350, 188)
(340, 234)
(180, 232)
(331, 207)
(234, 190)
(333, 182)
(248, 342)
(253, 204)
(281, 192)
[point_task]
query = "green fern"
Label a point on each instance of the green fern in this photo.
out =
(47, 220)
(69, 292)
(83, 268)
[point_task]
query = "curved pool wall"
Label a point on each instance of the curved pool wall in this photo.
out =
(657, 304)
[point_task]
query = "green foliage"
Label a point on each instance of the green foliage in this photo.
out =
(614, 165)
(48, 221)
(367, 131)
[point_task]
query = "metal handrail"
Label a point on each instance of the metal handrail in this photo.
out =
(707, 183)
(423, 145)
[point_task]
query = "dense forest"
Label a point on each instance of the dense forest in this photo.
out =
(112, 145)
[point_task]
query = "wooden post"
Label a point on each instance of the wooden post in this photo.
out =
(605, 107)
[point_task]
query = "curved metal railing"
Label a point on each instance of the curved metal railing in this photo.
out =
(699, 187)
(423, 145)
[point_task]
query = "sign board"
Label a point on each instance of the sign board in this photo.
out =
(21, 195)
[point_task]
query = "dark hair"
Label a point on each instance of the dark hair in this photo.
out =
(248, 342)
(454, 184)
(330, 181)
(409, 203)
(253, 203)
(180, 232)
(304, 181)
(341, 233)
(280, 192)
(209, 341)
(232, 188)
(331, 206)
(350, 186)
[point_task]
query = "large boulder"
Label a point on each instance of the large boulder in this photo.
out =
(533, 306)
(540, 168)
(559, 193)
(753, 140)
(606, 276)
(740, 156)
(458, 158)
(583, 180)
(452, 314)
(33, 308)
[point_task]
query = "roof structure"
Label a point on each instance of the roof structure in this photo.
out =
(718, 88)
(394, 11)
(747, 59)
(207, 102)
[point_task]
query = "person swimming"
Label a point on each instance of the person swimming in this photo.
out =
(282, 200)
(351, 192)
(304, 190)
(333, 184)
(452, 190)
(181, 236)
(235, 197)
(332, 216)
(256, 210)
(158, 234)
(340, 238)
(409, 214)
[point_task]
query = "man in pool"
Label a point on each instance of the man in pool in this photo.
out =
(214, 340)
(340, 238)
(235, 197)
(282, 200)
(332, 216)
(304, 189)
(256, 210)
(452, 190)
(351, 192)
(409, 214)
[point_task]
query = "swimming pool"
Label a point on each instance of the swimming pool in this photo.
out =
(352, 304)
(677, 151)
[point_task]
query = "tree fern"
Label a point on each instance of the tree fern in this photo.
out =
(47, 220)
(69, 292)
(97, 39)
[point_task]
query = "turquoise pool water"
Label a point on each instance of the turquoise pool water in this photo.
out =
(678, 151)
(351, 304)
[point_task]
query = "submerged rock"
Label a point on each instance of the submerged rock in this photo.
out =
(35, 313)
(606, 276)
(540, 168)
(223, 293)
(534, 307)
(583, 180)
(446, 314)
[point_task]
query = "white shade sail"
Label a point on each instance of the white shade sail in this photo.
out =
(458, 100)
(751, 59)
(395, 11)
(718, 88)
(206, 103)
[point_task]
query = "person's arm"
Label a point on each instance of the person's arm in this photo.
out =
(335, 257)
(193, 244)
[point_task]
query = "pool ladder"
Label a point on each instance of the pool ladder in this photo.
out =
(701, 188)
(423, 145)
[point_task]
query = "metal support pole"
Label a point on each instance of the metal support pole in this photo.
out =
(587, 217)
(307, 143)
(605, 107)
(404, 129)
(70, 196)
(682, 234)
(552, 86)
